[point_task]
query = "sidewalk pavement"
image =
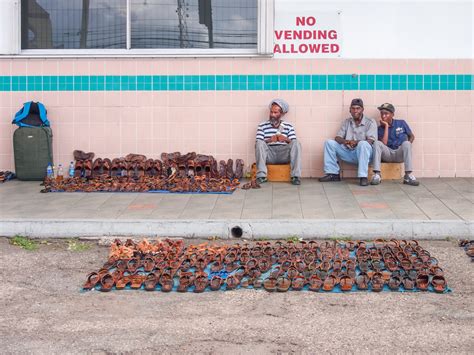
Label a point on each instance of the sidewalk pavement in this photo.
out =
(437, 209)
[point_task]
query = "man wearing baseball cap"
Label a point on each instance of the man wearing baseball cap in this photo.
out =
(394, 145)
(353, 144)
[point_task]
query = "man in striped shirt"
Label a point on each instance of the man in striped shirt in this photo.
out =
(276, 143)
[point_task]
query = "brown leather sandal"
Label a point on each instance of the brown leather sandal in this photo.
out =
(200, 283)
(115, 168)
(92, 280)
(270, 284)
(346, 282)
(106, 166)
(123, 282)
(232, 282)
(298, 283)
(107, 282)
(394, 283)
(87, 168)
(137, 281)
(230, 169)
(97, 167)
(362, 281)
(185, 281)
(329, 283)
(377, 282)
(216, 283)
(166, 282)
(148, 264)
(151, 281)
(439, 283)
(283, 284)
(133, 264)
(315, 283)
(158, 167)
(222, 169)
(78, 168)
(182, 170)
(422, 282)
(191, 168)
(408, 283)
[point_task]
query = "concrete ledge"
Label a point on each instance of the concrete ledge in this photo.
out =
(247, 229)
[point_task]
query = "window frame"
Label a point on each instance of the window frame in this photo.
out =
(265, 26)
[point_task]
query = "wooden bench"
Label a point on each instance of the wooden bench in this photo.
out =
(389, 171)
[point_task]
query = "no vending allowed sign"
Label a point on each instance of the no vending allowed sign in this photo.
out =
(302, 33)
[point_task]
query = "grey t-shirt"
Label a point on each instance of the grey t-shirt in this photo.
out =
(366, 130)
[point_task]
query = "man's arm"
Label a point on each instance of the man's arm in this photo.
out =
(341, 134)
(291, 135)
(411, 136)
(260, 134)
(384, 137)
(371, 135)
(340, 140)
(385, 131)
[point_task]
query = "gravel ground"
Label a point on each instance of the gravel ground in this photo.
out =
(42, 311)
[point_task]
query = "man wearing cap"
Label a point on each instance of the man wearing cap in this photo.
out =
(353, 144)
(394, 145)
(276, 143)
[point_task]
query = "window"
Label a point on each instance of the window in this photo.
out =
(146, 27)
(194, 23)
(73, 24)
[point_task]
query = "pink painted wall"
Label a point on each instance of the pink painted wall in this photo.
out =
(223, 124)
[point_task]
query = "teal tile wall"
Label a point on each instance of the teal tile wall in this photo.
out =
(237, 82)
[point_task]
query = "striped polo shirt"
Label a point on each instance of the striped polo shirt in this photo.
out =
(265, 130)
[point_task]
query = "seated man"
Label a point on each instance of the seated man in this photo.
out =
(353, 144)
(394, 145)
(276, 144)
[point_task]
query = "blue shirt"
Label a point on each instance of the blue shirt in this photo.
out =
(397, 133)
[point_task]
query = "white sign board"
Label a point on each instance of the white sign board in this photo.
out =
(303, 32)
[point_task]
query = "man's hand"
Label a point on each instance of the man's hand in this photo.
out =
(383, 123)
(281, 138)
(351, 144)
(272, 139)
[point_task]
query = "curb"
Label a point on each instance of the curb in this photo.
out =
(246, 229)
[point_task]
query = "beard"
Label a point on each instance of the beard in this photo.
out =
(274, 121)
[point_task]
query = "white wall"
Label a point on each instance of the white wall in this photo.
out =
(399, 29)
(370, 29)
(9, 26)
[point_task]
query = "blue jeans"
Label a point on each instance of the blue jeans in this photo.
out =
(361, 156)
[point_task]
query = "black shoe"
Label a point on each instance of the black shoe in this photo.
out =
(262, 180)
(295, 180)
(364, 181)
(330, 177)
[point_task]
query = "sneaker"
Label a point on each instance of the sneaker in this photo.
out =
(410, 179)
(295, 180)
(363, 181)
(262, 180)
(330, 177)
(376, 179)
